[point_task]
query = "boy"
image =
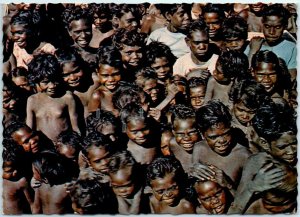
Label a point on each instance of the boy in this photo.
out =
(197, 88)
(110, 69)
(275, 18)
(53, 109)
(173, 35)
(219, 148)
(201, 56)
(185, 134)
(125, 16)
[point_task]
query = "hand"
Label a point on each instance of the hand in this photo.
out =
(220, 177)
(267, 178)
(202, 172)
(155, 113)
(255, 44)
(172, 90)
(34, 183)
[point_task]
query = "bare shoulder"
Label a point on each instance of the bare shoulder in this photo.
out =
(98, 93)
(68, 95)
(241, 150)
(187, 206)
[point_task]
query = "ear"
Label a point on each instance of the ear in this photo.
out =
(187, 41)
(168, 16)
(69, 32)
(264, 144)
(115, 21)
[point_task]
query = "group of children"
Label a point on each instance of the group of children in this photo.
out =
(149, 108)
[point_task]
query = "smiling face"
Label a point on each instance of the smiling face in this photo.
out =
(109, 76)
(211, 196)
(162, 68)
(151, 88)
(28, 139)
(20, 34)
(9, 100)
(218, 138)
(81, 32)
(72, 74)
(22, 82)
(265, 74)
(122, 182)
(213, 22)
(131, 55)
(128, 21)
(273, 29)
(51, 88)
(9, 170)
(185, 133)
(166, 189)
(138, 131)
(243, 114)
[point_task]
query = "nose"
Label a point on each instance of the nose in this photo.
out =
(215, 200)
(245, 116)
(52, 84)
(202, 46)
(272, 31)
(211, 26)
(266, 78)
(12, 103)
(72, 76)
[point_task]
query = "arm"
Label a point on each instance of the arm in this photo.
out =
(172, 91)
(37, 206)
(255, 45)
(73, 113)
(209, 90)
(95, 101)
(28, 194)
(30, 116)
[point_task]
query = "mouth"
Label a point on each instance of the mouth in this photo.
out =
(111, 86)
(222, 148)
(188, 146)
(219, 209)
(21, 44)
(74, 83)
(141, 140)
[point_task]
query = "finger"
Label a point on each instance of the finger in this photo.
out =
(266, 167)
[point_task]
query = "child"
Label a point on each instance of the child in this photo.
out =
(53, 109)
(125, 16)
(173, 35)
(17, 195)
(78, 22)
(197, 90)
(127, 184)
(219, 148)
(231, 65)
(143, 143)
(186, 134)
(110, 69)
(160, 57)
(19, 76)
(274, 22)
(51, 197)
(167, 179)
(201, 57)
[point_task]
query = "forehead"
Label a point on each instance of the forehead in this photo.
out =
(105, 68)
(210, 16)
(219, 127)
(136, 123)
(198, 35)
(242, 106)
(167, 180)
(24, 131)
(122, 175)
(79, 24)
(206, 188)
(180, 9)
(126, 48)
(286, 138)
(108, 128)
(263, 66)
(182, 124)
(160, 61)
(273, 20)
(97, 152)
(17, 26)
(127, 16)
(69, 66)
(150, 82)
(198, 90)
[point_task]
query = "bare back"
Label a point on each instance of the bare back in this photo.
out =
(141, 155)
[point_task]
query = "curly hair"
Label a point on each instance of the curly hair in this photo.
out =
(73, 12)
(158, 49)
(121, 160)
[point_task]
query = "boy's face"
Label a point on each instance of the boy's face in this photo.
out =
(211, 196)
(266, 75)
(197, 95)
(218, 137)
(161, 67)
(213, 22)
(128, 21)
(218, 73)
(100, 21)
(166, 189)
(243, 114)
(278, 202)
(138, 131)
(273, 29)
(131, 55)
(285, 148)
(109, 76)
(72, 74)
(22, 82)
(9, 171)
(98, 158)
(185, 133)
(9, 101)
(234, 43)
(49, 87)
(180, 20)
(198, 43)
(257, 7)
(151, 88)
(68, 151)
(81, 32)
(27, 138)
(20, 34)
(122, 182)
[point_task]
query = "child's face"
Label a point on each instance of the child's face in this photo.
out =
(213, 22)
(72, 74)
(273, 29)
(218, 137)
(109, 130)
(138, 131)
(234, 43)
(166, 189)
(161, 67)
(198, 43)
(131, 55)
(278, 202)
(22, 82)
(49, 87)
(9, 171)
(185, 133)
(109, 76)
(243, 114)
(197, 95)
(122, 183)
(9, 100)
(27, 138)
(266, 75)
(81, 32)
(218, 73)
(128, 21)
(20, 34)
(151, 88)
(180, 19)
(98, 158)
(68, 151)
(100, 21)
(285, 148)
(211, 196)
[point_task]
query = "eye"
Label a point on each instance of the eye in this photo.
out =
(159, 192)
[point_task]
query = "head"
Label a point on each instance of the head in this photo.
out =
(198, 38)
(78, 22)
(97, 149)
(131, 45)
(101, 16)
(257, 8)
(197, 90)
(23, 136)
(235, 32)
(135, 124)
(45, 73)
(110, 67)
(125, 16)
(166, 177)
(161, 59)
(213, 16)
(123, 174)
(19, 76)
(275, 20)
(10, 95)
(184, 127)
(247, 96)
(178, 15)
(214, 121)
